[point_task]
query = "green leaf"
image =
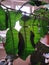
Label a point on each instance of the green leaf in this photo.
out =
(2, 19)
(11, 46)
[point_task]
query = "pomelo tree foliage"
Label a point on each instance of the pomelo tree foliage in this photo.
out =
(38, 24)
(33, 28)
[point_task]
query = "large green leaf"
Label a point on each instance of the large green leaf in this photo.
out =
(26, 24)
(11, 45)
